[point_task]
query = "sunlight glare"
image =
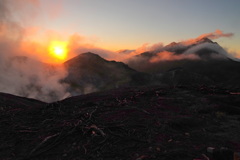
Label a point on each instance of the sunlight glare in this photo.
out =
(58, 49)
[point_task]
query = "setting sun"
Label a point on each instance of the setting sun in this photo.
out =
(58, 49)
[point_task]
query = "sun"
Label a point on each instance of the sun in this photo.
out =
(58, 49)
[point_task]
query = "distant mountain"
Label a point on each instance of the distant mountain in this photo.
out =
(210, 64)
(88, 72)
(204, 48)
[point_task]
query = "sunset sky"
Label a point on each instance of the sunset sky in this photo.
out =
(127, 24)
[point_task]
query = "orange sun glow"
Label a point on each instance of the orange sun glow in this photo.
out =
(58, 49)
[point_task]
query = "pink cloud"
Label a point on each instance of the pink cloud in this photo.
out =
(213, 35)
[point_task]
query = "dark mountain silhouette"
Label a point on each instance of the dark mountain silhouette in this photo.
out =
(11, 102)
(89, 72)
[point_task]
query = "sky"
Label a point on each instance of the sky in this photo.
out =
(124, 24)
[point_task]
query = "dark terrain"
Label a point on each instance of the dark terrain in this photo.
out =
(134, 123)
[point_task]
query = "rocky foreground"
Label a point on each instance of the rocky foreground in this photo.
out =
(132, 123)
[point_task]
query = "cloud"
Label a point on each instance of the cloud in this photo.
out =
(170, 56)
(19, 74)
(211, 46)
(235, 54)
(213, 35)
(80, 44)
(29, 78)
(221, 52)
(146, 47)
(183, 50)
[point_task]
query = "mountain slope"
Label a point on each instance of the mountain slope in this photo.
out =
(10, 102)
(89, 72)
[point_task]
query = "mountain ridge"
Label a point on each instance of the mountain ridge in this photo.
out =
(89, 69)
(181, 48)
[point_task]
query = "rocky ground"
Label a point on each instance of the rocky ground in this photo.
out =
(141, 123)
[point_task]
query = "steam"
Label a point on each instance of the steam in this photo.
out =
(19, 74)
(33, 79)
